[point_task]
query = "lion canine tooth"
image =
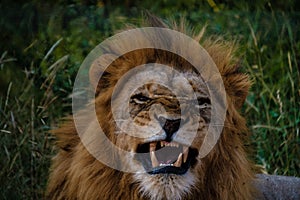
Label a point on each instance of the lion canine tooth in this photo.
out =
(178, 161)
(185, 153)
(162, 143)
(152, 146)
(185, 148)
(153, 159)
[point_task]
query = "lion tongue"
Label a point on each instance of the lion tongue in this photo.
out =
(166, 158)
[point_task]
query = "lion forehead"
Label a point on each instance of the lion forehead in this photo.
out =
(172, 85)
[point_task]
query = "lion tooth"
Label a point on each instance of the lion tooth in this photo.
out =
(153, 159)
(185, 153)
(164, 165)
(185, 148)
(173, 144)
(178, 161)
(162, 143)
(152, 146)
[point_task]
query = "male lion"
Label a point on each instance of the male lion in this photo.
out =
(167, 165)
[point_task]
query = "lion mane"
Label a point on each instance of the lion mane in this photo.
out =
(225, 173)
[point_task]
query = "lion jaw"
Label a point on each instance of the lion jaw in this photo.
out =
(165, 186)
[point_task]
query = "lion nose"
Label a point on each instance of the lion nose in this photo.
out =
(169, 126)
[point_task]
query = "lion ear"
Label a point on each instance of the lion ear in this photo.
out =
(237, 86)
(98, 74)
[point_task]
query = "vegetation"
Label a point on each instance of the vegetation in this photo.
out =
(43, 45)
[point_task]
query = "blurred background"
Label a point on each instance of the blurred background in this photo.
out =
(43, 44)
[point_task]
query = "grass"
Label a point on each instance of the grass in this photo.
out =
(37, 71)
(25, 121)
(273, 104)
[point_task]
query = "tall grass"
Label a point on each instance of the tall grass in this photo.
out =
(26, 118)
(274, 102)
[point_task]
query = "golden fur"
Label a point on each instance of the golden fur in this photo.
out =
(225, 173)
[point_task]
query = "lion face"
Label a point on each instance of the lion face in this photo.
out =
(160, 122)
(170, 125)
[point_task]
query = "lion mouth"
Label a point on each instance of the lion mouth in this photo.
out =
(161, 157)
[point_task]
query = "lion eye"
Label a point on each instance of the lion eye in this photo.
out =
(140, 99)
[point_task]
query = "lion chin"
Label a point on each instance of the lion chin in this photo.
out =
(165, 186)
(168, 172)
(163, 160)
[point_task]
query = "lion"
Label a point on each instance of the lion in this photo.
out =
(167, 165)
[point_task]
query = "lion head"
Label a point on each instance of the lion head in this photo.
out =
(158, 123)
